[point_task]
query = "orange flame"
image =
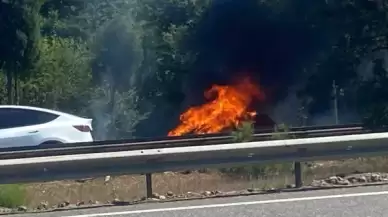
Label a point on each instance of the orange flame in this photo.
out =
(227, 109)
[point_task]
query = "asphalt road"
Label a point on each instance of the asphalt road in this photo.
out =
(353, 202)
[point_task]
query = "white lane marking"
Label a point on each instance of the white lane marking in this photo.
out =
(231, 204)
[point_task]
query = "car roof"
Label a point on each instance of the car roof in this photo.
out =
(39, 109)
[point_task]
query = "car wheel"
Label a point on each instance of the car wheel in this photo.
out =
(49, 144)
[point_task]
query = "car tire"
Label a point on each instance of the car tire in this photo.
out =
(49, 144)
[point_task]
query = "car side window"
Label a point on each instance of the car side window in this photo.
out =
(5, 119)
(12, 117)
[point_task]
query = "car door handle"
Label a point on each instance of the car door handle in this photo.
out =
(35, 131)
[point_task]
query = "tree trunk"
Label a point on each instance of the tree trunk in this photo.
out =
(16, 99)
(9, 87)
(111, 106)
(113, 131)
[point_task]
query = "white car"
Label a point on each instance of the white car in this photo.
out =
(32, 126)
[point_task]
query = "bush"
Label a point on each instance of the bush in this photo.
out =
(12, 195)
(244, 132)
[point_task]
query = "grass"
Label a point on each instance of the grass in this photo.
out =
(12, 195)
(132, 187)
(257, 171)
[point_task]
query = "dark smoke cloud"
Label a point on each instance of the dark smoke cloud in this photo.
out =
(242, 36)
(235, 37)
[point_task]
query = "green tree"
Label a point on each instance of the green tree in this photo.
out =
(60, 77)
(373, 98)
(20, 27)
(360, 29)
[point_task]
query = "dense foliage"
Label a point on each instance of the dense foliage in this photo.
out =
(133, 65)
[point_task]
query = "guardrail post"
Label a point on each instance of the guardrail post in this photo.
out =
(298, 174)
(148, 177)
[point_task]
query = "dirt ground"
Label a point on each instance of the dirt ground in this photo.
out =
(133, 187)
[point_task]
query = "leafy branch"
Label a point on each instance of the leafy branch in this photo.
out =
(244, 132)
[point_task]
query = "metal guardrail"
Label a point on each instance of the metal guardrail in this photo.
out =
(100, 147)
(179, 139)
(146, 156)
(182, 158)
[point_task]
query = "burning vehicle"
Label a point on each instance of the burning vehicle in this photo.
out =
(227, 107)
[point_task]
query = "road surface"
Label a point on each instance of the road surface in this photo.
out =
(351, 202)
